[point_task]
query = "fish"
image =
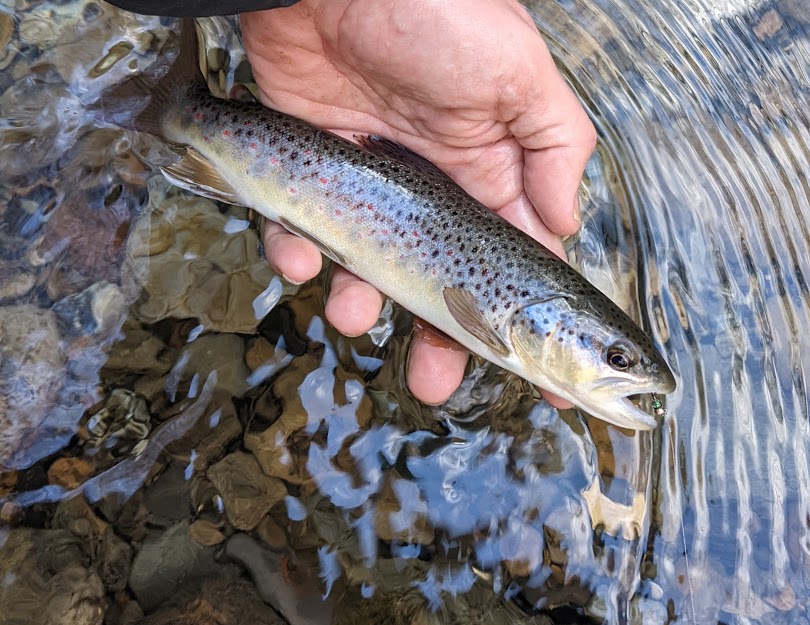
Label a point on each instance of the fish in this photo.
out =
(400, 223)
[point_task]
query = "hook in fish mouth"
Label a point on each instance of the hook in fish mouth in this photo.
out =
(621, 412)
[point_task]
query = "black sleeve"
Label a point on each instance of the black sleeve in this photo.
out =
(198, 8)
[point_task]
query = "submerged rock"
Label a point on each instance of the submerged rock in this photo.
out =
(192, 269)
(32, 370)
(47, 580)
(247, 493)
(166, 560)
(223, 601)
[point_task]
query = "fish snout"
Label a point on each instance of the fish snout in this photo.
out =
(662, 376)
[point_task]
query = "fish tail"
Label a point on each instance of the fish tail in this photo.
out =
(116, 105)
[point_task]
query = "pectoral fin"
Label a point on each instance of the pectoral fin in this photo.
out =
(464, 308)
(195, 173)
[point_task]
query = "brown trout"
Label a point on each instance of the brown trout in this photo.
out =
(397, 221)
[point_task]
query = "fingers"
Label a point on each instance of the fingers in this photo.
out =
(296, 259)
(435, 366)
(556, 402)
(354, 305)
(558, 140)
(522, 214)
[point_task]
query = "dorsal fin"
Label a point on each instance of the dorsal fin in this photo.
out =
(386, 148)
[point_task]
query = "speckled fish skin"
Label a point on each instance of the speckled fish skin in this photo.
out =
(407, 229)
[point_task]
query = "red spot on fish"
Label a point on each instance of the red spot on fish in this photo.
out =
(415, 233)
(449, 252)
(205, 137)
(226, 133)
(197, 115)
(339, 213)
(293, 190)
(248, 122)
(385, 232)
(274, 161)
(308, 152)
(324, 180)
(252, 146)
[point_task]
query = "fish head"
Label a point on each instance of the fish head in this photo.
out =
(593, 360)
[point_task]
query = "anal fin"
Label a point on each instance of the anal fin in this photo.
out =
(325, 249)
(464, 309)
(195, 173)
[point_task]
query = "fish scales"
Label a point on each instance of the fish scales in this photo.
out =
(424, 223)
(401, 224)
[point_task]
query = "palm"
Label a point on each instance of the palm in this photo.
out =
(485, 104)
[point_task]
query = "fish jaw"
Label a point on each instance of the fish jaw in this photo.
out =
(622, 412)
(618, 410)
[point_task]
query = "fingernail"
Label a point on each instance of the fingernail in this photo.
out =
(577, 216)
(291, 281)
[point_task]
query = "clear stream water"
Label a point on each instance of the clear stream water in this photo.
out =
(182, 438)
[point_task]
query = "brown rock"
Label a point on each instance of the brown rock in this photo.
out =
(195, 269)
(14, 281)
(33, 372)
(217, 602)
(259, 351)
(248, 493)
(206, 532)
(8, 480)
(69, 472)
(271, 534)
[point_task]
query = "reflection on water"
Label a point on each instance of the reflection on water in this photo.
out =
(183, 439)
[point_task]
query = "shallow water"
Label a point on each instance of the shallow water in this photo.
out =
(176, 421)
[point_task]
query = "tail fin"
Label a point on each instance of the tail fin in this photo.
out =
(117, 104)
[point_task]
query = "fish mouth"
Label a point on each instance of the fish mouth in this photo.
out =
(619, 411)
(622, 412)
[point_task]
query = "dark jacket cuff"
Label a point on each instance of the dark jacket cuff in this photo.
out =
(198, 8)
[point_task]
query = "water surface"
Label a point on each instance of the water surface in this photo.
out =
(182, 435)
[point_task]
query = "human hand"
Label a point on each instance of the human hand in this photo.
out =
(468, 84)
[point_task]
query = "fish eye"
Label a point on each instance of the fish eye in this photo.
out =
(619, 357)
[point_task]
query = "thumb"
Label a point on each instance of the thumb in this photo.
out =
(558, 139)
